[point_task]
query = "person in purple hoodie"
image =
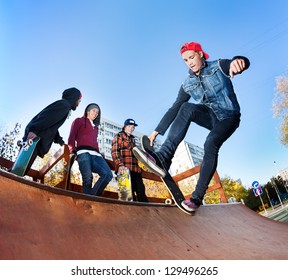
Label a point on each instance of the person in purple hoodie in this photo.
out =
(83, 143)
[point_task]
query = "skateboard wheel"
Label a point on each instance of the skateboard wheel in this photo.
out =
(30, 142)
(19, 143)
(168, 201)
(64, 162)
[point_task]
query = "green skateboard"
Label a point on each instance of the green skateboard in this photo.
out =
(124, 186)
(24, 156)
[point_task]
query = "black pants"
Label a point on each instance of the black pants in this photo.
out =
(220, 131)
(138, 188)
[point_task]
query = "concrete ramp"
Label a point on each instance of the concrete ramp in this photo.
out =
(40, 222)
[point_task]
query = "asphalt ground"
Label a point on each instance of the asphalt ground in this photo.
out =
(279, 214)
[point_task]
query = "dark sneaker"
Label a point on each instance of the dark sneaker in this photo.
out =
(146, 147)
(145, 143)
(189, 205)
(149, 161)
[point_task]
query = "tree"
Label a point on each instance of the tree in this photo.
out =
(55, 175)
(272, 190)
(234, 189)
(8, 145)
(231, 188)
(280, 106)
(252, 201)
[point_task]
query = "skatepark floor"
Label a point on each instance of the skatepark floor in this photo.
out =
(41, 222)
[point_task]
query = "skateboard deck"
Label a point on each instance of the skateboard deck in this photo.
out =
(145, 158)
(175, 192)
(168, 181)
(145, 143)
(24, 156)
(124, 186)
(69, 167)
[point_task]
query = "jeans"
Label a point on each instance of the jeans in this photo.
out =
(89, 164)
(220, 131)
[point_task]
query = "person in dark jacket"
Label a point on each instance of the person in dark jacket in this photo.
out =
(46, 123)
(214, 107)
(83, 143)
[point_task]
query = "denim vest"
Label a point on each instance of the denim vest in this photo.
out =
(214, 89)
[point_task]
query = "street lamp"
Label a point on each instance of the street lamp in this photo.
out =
(277, 191)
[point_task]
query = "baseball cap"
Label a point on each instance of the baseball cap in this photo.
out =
(193, 46)
(130, 121)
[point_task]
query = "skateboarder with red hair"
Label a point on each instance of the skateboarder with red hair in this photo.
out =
(214, 107)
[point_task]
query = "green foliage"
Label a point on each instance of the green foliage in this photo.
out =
(252, 201)
(271, 192)
(280, 184)
(155, 189)
(8, 145)
(234, 189)
(231, 188)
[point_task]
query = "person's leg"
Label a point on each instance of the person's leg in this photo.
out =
(133, 185)
(188, 113)
(85, 164)
(220, 132)
(138, 186)
(101, 167)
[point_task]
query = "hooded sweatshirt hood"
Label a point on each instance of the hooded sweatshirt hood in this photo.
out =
(72, 95)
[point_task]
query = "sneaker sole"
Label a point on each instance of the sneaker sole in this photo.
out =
(149, 164)
(145, 143)
(187, 207)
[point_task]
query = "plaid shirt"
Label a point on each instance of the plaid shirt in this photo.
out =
(121, 152)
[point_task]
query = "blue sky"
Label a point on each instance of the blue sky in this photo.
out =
(124, 55)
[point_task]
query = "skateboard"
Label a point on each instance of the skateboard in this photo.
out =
(175, 192)
(24, 156)
(69, 167)
(146, 158)
(168, 181)
(124, 185)
(145, 143)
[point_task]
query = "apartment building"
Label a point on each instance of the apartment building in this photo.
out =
(187, 155)
(107, 131)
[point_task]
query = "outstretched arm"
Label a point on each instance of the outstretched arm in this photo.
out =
(237, 66)
(234, 66)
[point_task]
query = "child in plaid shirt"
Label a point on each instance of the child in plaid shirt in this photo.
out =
(122, 155)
